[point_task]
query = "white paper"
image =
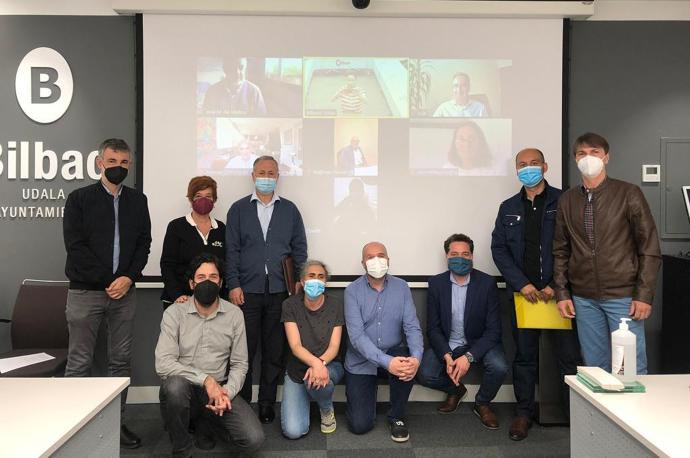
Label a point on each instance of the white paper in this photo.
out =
(10, 364)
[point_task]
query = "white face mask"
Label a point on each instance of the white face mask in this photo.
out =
(377, 267)
(590, 166)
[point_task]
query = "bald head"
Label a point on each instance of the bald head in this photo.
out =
(529, 156)
(373, 250)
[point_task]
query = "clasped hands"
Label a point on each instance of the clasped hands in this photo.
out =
(404, 367)
(456, 368)
(317, 376)
(532, 294)
(218, 399)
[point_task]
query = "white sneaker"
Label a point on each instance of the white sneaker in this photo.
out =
(328, 422)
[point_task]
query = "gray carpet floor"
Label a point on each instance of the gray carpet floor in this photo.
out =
(432, 435)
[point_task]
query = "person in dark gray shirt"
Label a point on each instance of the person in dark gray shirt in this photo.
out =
(313, 324)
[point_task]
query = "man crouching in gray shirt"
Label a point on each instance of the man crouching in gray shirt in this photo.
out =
(202, 358)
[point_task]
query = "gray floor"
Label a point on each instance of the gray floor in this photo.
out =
(431, 435)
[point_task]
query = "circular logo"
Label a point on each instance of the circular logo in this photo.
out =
(44, 85)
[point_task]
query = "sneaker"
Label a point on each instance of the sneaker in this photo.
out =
(328, 422)
(399, 431)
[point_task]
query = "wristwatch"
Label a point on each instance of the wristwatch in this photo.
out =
(324, 362)
(469, 357)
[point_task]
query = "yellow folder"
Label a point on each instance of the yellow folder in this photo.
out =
(539, 315)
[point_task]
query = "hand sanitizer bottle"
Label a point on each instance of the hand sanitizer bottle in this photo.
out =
(624, 352)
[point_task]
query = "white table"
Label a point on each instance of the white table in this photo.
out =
(655, 423)
(60, 417)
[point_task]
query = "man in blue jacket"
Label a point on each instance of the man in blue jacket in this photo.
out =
(521, 245)
(262, 229)
(463, 327)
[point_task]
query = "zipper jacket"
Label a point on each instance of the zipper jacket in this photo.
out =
(625, 258)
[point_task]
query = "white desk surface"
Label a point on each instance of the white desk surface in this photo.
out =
(659, 418)
(38, 415)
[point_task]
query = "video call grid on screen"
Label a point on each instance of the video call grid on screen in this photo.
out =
(370, 146)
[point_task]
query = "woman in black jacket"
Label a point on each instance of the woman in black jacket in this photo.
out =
(188, 236)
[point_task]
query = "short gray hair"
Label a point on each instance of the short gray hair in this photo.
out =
(116, 144)
(308, 264)
(265, 157)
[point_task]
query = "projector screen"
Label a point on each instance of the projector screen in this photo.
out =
(400, 130)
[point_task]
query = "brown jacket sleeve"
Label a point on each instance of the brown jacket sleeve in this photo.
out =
(561, 253)
(646, 238)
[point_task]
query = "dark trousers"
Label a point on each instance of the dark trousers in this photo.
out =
(432, 373)
(185, 401)
(526, 364)
(85, 311)
(262, 322)
(360, 391)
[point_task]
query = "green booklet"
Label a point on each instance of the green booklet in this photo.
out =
(630, 387)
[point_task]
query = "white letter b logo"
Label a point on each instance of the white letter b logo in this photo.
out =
(44, 85)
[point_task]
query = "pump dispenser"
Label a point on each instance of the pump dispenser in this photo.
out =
(624, 352)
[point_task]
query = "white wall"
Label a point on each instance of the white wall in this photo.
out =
(604, 10)
(57, 7)
(641, 10)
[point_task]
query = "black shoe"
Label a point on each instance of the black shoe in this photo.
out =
(266, 413)
(399, 431)
(128, 439)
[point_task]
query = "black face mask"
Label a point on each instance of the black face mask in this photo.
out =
(115, 175)
(206, 293)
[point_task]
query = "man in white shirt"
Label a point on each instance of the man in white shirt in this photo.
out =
(461, 106)
(244, 160)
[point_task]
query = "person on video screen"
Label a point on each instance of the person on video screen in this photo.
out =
(469, 150)
(234, 94)
(355, 210)
(351, 156)
(244, 160)
(461, 106)
(352, 97)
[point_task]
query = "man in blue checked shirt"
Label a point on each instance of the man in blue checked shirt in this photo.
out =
(379, 312)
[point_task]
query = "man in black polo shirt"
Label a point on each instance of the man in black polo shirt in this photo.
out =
(521, 245)
(107, 232)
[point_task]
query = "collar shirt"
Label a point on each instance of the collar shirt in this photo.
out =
(190, 220)
(459, 298)
(264, 211)
(378, 321)
(116, 238)
(195, 347)
(534, 215)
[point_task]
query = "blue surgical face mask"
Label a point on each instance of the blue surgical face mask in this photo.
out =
(265, 185)
(531, 175)
(460, 266)
(313, 288)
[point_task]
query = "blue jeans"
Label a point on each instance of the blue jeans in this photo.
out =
(596, 320)
(294, 410)
(360, 390)
(432, 373)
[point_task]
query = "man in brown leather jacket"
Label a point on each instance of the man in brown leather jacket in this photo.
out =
(606, 255)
